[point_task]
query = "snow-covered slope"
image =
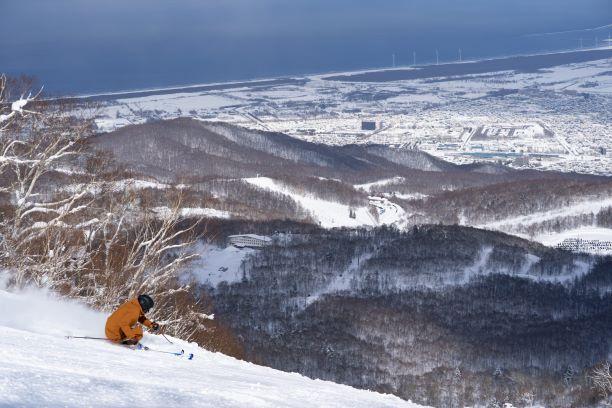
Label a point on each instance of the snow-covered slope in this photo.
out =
(584, 207)
(328, 213)
(600, 236)
(593, 239)
(332, 214)
(586, 233)
(216, 264)
(39, 367)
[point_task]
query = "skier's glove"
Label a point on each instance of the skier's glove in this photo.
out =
(155, 326)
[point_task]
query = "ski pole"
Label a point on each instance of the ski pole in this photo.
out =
(162, 331)
(86, 337)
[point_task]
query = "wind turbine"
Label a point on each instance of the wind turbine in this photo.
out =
(437, 57)
(459, 54)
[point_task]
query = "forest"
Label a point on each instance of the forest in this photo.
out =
(446, 316)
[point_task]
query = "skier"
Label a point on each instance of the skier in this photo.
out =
(122, 326)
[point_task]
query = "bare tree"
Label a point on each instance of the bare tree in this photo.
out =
(602, 379)
(38, 221)
(89, 239)
(9, 110)
(136, 250)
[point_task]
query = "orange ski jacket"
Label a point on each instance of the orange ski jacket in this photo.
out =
(121, 324)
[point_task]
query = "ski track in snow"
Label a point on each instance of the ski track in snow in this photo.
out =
(341, 282)
(39, 367)
(216, 264)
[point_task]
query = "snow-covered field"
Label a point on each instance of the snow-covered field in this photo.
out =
(586, 233)
(39, 367)
(597, 240)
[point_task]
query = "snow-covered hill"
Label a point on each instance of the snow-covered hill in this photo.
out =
(39, 367)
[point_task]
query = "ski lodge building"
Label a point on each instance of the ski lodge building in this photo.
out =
(249, 240)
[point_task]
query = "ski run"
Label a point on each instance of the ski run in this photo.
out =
(40, 367)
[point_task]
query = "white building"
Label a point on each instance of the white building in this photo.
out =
(249, 240)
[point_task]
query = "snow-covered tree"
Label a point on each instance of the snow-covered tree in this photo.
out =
(601, 377)
(67, 223)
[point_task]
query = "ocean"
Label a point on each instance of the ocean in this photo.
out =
(86, 46)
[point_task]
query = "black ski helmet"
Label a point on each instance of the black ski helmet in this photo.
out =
(145, 302)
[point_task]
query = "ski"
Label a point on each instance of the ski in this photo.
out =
(178, 354)
(138, 346)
